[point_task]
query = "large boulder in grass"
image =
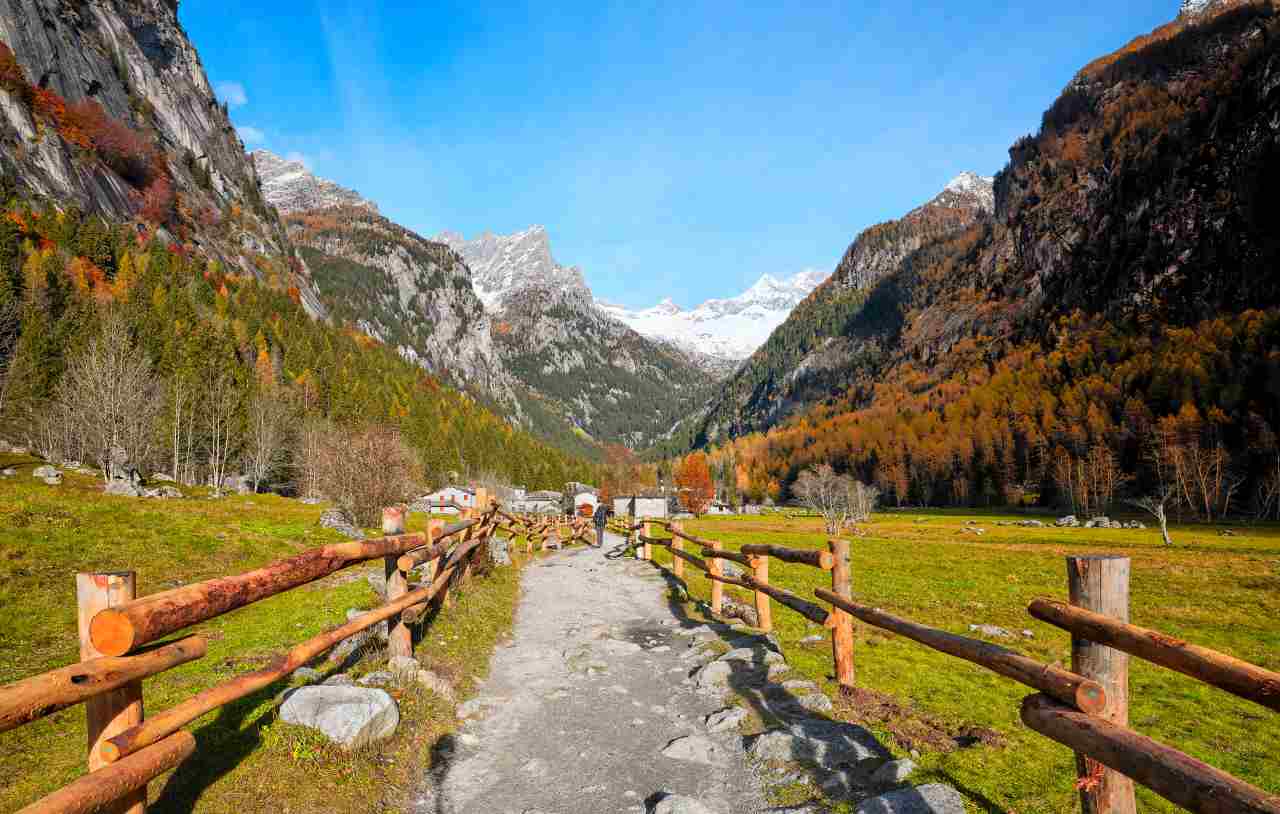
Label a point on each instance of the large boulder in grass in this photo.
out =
(341, 522)
(348, 716)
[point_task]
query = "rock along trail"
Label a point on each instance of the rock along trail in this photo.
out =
(589, 710)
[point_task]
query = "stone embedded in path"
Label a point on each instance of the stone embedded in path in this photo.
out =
(695, 749)
(725, 719)
(753, 655)
(934, 798)
(716, 674)
(799, 685)
(893, 773)
(815, 702)
(828, 744)
(678, 804)
(619, 647)
(350, 716)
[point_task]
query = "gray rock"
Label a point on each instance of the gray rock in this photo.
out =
(893, 773)
(499, 551)
(813, 639)
(45, 471)
(992, 631)
(1069, 521)
(714, 675)
(339, 680)
(370, 637)
(799, 685)
(436, 684)
(54, 480)
(730, 569)
(163, 493)
(934, 798)
(339, 521)
(753, 655)
(678, 804)
(404, 668)
(725, 719)
(350, 716)
(8, 472)
(619, 647)
(841, 785)
(123, 488)
(308, 674)
(694, 631)
(695, 749)
(828, 744)
(378, 582)
(378, 678)
(162, 477)
(815, 702)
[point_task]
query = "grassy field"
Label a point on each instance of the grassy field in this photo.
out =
(1219, 591)
(246, 760)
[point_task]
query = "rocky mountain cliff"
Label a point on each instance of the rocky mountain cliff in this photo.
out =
(579, 361)
(106, 105)
(291, 187)
(810, 354)
(728, 330)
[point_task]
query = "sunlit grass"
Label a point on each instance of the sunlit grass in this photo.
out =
(246, 760)
(1221, 592)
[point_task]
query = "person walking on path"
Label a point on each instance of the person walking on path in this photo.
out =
(601, 519)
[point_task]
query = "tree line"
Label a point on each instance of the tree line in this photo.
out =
(113, 338)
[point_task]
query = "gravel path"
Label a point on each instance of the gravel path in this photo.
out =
(578, 709)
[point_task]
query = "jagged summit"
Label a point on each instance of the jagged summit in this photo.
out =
(290, 187)
(502, 264)
(726, 329)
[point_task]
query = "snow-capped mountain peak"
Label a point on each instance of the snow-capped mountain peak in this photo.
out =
(977, 186)
(503, 264)
(728, 329)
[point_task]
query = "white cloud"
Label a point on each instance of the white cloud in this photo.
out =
(250, 135)
(232, 93)
(294, 155)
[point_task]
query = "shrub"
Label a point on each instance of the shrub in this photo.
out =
(363, 471)
(157, 201)
(130, 153)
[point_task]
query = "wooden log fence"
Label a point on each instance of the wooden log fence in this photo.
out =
(119, 643)
(1084, 708)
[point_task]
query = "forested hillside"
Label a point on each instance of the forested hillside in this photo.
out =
(1112, 331)
(134, 238)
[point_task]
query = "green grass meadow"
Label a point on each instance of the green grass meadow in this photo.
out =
(1218, 591)
(246, 761)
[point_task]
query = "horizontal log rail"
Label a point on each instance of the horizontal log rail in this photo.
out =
(800, 556)
(156, 727)
(32, 698)
(689, 558)
(97, 790)
(665, 542)
(724, 554)
(1225, 672)
(807, 609)
(116, 631)
(1080, 692)
(1177, 777)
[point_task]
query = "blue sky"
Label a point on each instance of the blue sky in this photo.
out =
(674, 150)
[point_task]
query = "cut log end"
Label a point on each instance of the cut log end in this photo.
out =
(1090, 697)
(111, 633)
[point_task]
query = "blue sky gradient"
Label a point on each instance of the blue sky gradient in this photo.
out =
(674, 150)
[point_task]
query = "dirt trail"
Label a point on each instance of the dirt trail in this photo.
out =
(579, 707)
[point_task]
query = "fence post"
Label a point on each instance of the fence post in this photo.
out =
(110, 713)
(430, 567)
(841, 622)
(1101, 584)
(717, 588)
(399, 639)
(677, 565)
(647, 531)
(764, 611)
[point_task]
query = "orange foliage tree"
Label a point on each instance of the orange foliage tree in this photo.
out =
(693, 479)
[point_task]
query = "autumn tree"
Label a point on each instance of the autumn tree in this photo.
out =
(693, 480)
(826, 492)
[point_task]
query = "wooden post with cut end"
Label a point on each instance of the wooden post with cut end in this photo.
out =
(111, 712)
(677, 566)
(717, 589)
(647, 532)
(399, 639)
(429, 568)
(1101, 584)
(842, 622)
(764, 611)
